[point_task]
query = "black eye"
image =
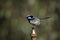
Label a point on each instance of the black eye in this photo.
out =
(31, 16)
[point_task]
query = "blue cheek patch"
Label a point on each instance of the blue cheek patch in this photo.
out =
(29, 18)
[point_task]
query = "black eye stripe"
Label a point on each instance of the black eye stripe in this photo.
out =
(31, 16)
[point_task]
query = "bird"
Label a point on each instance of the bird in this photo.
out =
(34, 20)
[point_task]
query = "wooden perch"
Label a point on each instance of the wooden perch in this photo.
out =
(33, 34)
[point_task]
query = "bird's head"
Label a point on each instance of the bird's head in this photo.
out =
(30, 17)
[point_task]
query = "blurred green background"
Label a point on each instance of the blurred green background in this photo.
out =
(13, 23)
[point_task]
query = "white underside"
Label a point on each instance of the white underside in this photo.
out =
(35, 22)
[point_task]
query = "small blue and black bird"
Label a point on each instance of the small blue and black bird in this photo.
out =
(35, 21)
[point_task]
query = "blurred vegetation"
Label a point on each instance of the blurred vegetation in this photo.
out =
(13, 23)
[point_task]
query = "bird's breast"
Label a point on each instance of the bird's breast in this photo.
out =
(35, 21)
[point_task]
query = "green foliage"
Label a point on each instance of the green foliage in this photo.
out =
(16, 27)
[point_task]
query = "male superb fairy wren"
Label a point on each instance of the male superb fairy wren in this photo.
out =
(35, 21)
